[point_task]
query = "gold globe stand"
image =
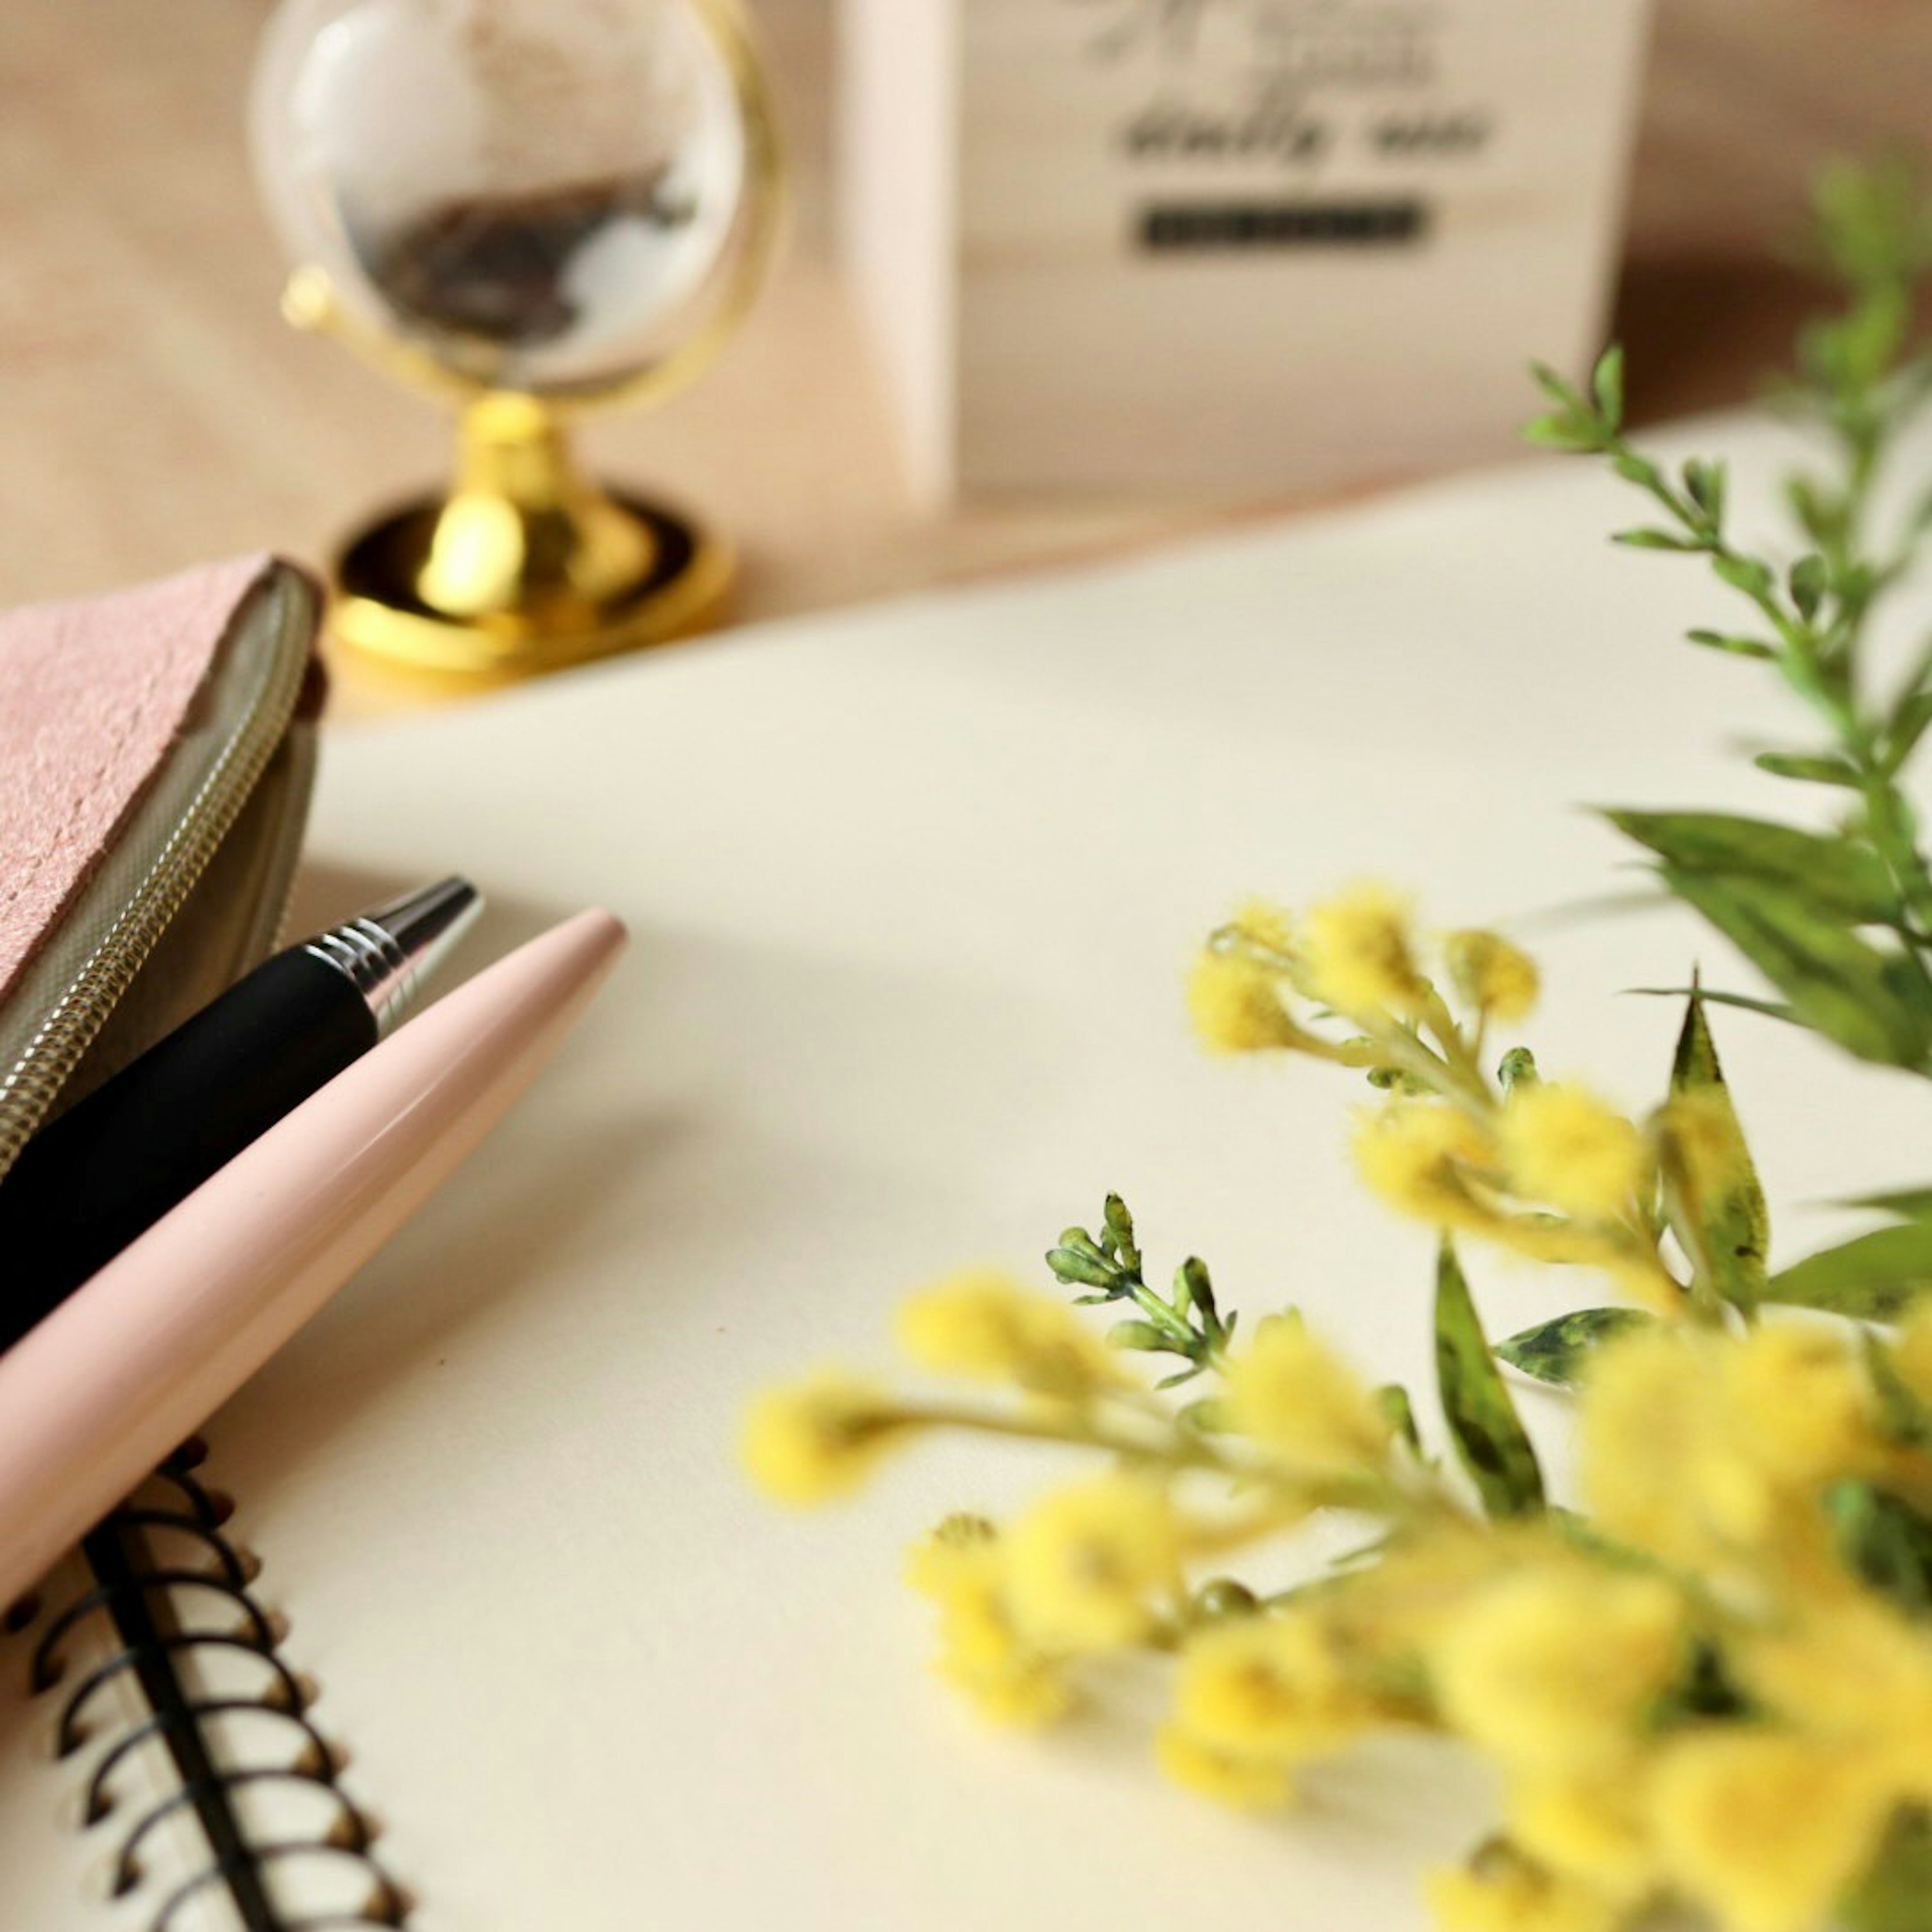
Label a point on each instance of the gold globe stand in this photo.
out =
(526, 564)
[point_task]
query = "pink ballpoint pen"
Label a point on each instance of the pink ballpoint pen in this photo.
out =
(138, 1357)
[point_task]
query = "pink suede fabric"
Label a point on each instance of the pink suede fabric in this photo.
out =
(92, 694)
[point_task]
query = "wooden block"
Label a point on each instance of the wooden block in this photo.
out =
(1216, 245)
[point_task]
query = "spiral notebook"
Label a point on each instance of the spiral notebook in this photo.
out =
(911, 891)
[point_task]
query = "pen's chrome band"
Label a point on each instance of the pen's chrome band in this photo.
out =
(372, 962)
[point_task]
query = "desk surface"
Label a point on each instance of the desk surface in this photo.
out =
(156, 412)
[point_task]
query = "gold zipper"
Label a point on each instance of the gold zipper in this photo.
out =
(80, 1007)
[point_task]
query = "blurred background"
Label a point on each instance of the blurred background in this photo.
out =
(156, 410)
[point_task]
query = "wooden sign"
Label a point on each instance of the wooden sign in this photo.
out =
(1228, 244)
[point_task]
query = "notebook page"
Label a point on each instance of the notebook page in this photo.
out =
(911, 892)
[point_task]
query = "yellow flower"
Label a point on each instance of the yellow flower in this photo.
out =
(1563, 1145)
(983, 1325)
(1359, 957)
(819, 1439)
(1590, 1828)
(1803, 1402)
(1491, 975)
(961, 1568)
(1242, 1783)
(1261, 922)
(1854, 1673)
(1024, 1696)
(1554, 1670)
(1083, 1562)
(1665, 1464)
(1289, 1391)
(1763, 1829)
(1236, 1005)
(1416, 1155)
(1273, 1687)
(1504, 1893)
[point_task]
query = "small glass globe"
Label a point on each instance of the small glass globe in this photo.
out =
(545, 196)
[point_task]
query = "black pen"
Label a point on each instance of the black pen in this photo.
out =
(106, 1171)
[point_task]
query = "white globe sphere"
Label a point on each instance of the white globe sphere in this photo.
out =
(543, 194)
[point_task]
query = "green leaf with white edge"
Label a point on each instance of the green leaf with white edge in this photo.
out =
(1873, 1277)
(1837, 984)
(1737, 1224)
(1558, 1351)
(1491, 1442)
(1823, 869)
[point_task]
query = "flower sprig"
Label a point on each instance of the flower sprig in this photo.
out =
(1705, 1680)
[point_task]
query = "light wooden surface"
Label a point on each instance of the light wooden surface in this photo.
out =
(155, 411)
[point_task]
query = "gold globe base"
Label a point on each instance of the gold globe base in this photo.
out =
(526, 565)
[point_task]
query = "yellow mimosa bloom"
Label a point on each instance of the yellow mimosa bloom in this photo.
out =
(1274, 1686)
(1359, 955)
(1555, 1669)
(1855, 1673)
(1262, 922)
(1236, 1005)
(985, 1326)
(1025, 1695)
(1764, 1829)
(961, 1567)
(1289, 1391)
(819, 1439)
(1665, 1465)
(1562, 1144)
(1508, 1894)
(1803, 1401)
(1084, 1562)
(1491, 975)
(1242, 1783)
(1589, 1827)
(1415, 1154)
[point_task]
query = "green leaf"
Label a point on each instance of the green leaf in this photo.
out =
(1553, 386)
(1883, 1540)
(1491, 1442)
(1516, 1069)
(1809, 580)
(1908, 724)
(1826, 870)
(1399, 1413)
(1874, 1277)
(1837, 985)
(1736, 1225)
(1741, 647)
(1909, 1203)
(1746, 574)
(1606, 384)
(1705, 482)
(1572, 434)
(1557, 1351)
(1812, 770)
(1895, 1895)
(1654, 539)
(1142, 1336)
(1772, 1010)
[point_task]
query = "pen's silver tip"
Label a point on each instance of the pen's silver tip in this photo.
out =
(389, 952)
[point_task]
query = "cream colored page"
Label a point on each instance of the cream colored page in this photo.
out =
(911, 892)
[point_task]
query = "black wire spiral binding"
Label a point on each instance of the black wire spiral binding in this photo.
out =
(138, 1596)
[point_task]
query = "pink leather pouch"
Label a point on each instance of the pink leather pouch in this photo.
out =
(156, 754)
